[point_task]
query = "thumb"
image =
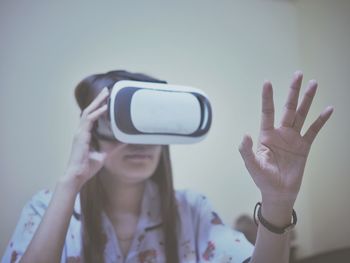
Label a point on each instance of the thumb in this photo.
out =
(248, 155)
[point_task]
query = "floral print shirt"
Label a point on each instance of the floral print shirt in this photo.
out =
(203, 236)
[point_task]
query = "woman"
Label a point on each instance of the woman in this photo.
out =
(116, 201)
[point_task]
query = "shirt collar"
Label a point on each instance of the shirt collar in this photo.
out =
(150, 208)
(150, 215)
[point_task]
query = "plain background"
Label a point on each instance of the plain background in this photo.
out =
(226, 48)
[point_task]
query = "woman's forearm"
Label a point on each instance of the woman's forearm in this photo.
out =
(271, 247)
(48, 240)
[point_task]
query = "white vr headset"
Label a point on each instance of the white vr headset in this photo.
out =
(155, 113)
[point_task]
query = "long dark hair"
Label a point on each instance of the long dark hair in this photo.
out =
(92, 196)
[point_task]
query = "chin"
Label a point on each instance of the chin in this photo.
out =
(137, 172)
(135, 177)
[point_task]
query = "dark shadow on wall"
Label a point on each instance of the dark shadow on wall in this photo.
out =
(334, 256)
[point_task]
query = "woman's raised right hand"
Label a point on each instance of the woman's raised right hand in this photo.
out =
(85, 162)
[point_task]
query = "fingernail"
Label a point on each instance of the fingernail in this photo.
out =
(327, 112)
(330, 108)
(298, 73)
(313, 81)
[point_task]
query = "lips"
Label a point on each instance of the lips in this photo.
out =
(138, 156)
(138, 152)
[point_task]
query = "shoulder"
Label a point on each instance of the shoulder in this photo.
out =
(190, 198)
(194, 204)
(214, 240)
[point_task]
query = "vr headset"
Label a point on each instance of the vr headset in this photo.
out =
(155, 113)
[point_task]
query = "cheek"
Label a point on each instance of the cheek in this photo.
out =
(114, 157)
(110, 147)
(114, 164)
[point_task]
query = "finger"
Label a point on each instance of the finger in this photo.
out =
(97, 161)
(88, 121)
(267, 108)
(248, 155)
(304, 106)
(292, 100)
(316, 126)
(97, 101)
(97, 156)
(97, 113)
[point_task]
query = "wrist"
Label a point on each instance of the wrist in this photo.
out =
(273, 226)
(277, 211)
(69, 184)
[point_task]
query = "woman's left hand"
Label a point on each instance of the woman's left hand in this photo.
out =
(278, 165)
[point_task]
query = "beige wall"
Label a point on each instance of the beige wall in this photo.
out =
(324, 42)
(226, 48)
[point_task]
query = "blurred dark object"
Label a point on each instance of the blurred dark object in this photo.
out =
(246, 225)
(334, 256)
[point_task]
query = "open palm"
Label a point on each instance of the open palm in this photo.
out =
(278, 165)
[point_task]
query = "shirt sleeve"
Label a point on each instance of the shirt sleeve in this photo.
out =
(28, 223)
(217, 242)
